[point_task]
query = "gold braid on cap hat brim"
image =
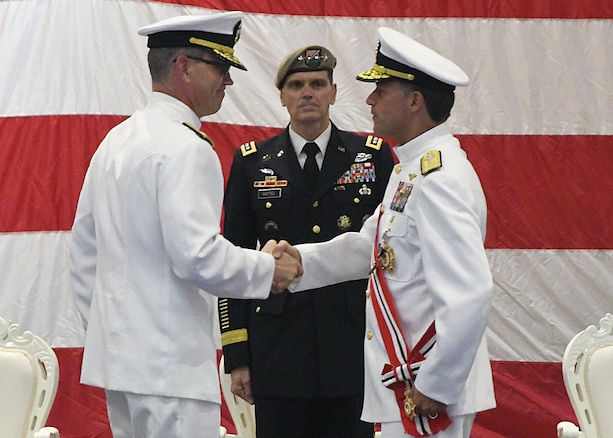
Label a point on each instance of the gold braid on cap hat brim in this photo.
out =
(379, 72)
(224, 51)
(395, 73)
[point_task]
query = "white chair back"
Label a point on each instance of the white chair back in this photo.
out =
(587, 368)
(29, 375)
(243, 414)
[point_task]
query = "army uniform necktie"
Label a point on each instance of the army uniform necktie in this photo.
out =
(311, 169)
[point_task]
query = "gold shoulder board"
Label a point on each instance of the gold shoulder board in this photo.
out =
(200, 134)
(430, 162)
(374, 142)
(248, 148)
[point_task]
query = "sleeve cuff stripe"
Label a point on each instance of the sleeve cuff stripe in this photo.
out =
(233, 337)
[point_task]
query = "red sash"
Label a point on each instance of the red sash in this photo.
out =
(400, 373)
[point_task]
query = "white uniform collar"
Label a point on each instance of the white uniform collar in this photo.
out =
(322, 141)
(422, 143)
(173, 108)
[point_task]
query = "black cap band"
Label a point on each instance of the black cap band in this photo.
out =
(177, 38)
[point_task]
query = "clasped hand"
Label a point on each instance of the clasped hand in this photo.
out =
(425, 405)
(287, 264)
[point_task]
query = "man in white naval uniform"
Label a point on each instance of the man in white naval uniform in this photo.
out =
(430, 286)
(146, 252)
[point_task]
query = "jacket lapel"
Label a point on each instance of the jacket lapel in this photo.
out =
(281, 158)
(338, 159)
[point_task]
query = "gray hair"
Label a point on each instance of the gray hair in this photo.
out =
(161, 58)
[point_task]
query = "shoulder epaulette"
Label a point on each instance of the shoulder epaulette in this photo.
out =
(431, 161)
(374, 142)
(248, 148)
(200, 134)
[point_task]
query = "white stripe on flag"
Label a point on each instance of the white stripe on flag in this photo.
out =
(528, 76)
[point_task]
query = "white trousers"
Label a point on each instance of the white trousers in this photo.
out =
(459, 428)
(148, 416)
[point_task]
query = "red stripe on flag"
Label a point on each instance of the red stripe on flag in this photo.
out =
(531, 400)
(576, 9)
(78, 410)
(43, 162)
(544, 192)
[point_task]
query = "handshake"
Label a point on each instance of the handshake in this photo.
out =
(288, 265)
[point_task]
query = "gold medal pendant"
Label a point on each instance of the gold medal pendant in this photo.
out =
(386, 257)
(409, 405)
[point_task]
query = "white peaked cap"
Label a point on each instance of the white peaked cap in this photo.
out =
(400, 56)
(218, 32)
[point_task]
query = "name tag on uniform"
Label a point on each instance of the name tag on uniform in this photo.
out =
(273, 193)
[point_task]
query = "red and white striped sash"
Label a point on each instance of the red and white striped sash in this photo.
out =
(404, 365)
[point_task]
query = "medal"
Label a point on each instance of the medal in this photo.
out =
(385, 255)
(409, 404)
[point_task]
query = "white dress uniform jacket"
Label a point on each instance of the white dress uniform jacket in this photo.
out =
(441, 274)
(147, 257)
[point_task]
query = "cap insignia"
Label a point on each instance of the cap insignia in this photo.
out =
(237, 32)
(312, 58)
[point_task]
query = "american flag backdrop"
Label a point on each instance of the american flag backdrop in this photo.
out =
(536, 121)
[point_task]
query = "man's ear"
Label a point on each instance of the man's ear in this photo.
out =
(180, 67)
(416, 101)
